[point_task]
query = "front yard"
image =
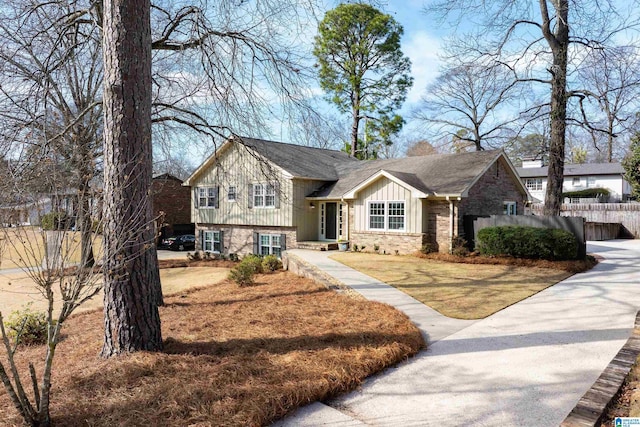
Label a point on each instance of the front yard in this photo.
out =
(233, 356)
(463, 291)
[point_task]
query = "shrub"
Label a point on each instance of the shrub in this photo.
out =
(459, 247)
(27, 327)
(528, 242)
(254, 262)
(54, 221)
(242, 274)
(428, 248)
(271, 263)
(376, 248)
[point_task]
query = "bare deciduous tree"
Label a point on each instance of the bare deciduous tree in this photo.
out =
(536, 43)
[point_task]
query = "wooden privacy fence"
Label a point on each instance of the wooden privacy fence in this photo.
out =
(626, 214)
(573, 225)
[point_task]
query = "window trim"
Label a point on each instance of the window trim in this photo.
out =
(506, 205)
(271, 246)
(579, 184)
(213, 241)
(264, 186)
(537, 184)
(386, 215)
(230, 193)
(208, 196)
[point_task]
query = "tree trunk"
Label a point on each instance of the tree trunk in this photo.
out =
(131, 279)
(355, 124)
(559, 43)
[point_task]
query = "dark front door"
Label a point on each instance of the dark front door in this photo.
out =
(330, 221)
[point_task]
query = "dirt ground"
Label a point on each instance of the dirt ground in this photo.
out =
(17, 289)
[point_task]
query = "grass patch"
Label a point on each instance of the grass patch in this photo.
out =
(462, 291)
(233, 356)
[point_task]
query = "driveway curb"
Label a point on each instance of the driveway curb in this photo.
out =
(595, 402)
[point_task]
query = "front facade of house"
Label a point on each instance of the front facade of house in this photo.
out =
(255, 196)
(578, 177)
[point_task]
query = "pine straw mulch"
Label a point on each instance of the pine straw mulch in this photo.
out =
(232, 356)
(575, 266)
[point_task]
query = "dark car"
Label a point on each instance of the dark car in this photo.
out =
(180, 243)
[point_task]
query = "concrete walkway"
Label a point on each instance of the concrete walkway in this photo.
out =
(526, 365)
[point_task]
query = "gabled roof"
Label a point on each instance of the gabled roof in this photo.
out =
(575, 170)
(295, 160)
(300, 161)
(437, 175)
(166, 176)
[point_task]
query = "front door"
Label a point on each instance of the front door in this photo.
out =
(331, 221)
(328, 223)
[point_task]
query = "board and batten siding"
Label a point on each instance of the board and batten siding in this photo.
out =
(238, 167)
(386, 190)
(304, 217)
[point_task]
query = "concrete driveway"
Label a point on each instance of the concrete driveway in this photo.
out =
(526, 365)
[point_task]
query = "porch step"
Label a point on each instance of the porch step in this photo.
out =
(318, 246)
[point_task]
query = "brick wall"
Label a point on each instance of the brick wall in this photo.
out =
(437, 232)
(238, 239)
(404, 243)
(487, 195)
(170, 197)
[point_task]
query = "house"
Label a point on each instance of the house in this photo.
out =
(171, 205)
(577, 177)
(261, 196)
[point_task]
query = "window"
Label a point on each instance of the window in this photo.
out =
(591, 181)
(396, 216)
(207, 197)
(534, 184)
(576, 182)
(509, 208)
(211, 242)
(231, 193)
(386, 216)
(264, 195)
(376, 215)
(270, 244)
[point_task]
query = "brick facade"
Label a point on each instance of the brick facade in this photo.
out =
(238, 239)
(489, 193)
(169, 196)
(404, 243)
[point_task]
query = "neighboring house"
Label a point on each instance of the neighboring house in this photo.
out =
(577, 177)
(171, 204)
(263, 197)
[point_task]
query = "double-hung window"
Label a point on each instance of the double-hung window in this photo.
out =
(264, 195)
(211, 242)
(231, 193)
(534, 184)
(270, 244)
(387, 216)
(207, 197)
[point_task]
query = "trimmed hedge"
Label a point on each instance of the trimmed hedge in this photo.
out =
(528, 242)
(591, 193)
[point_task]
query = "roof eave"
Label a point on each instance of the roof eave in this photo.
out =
(352, 194)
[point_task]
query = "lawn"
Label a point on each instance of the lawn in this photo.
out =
(233, 356)
(24, 247)
(462, 291)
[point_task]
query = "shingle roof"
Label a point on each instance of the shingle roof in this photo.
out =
(301, 161)
(439, 174)
(575, 170)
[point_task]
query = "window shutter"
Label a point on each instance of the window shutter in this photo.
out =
(217, 197)
(195, 197)
(283, 242)
(250, 196)
(201, 245)
(221, 241)
(276, 189)
(256, 243)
